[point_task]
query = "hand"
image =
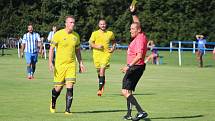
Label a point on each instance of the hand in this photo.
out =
(51, 67)
(40, 51)
(124, 69)
(111, 50)
(100, 47)
(82, 68)
(132, 8)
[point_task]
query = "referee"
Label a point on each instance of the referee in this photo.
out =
(135, 67)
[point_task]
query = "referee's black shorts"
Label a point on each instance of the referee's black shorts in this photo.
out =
(132, 77)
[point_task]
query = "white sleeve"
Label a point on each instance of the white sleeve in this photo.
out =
(38, 38)
(24, 39)
(49, 36)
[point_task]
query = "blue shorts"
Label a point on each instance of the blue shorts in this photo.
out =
(31, 57)
(201, 51)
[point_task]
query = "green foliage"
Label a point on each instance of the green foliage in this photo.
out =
(162, 20)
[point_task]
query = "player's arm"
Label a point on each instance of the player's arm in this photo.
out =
(39, 44)
(22, 49)
(51, 55)
(79, 58)
(113, 42)
(93, 45)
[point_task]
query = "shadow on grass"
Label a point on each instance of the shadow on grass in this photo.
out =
(133, 94)
(101, 111)
(208, 66)
(180, 117)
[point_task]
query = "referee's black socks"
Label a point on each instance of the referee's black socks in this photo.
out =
(101, 82)
(134, 102)
(129, 107)
(69, 98)
(55, 95)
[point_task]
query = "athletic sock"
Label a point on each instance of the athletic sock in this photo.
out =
(69, 98)
(55, 95)
(101, 82)
(33, 68)
(134, 102)
(129, 107)
(29, 70)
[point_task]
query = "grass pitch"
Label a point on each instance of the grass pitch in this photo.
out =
(167, 92)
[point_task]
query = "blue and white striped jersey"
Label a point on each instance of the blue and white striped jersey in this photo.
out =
(31, 42)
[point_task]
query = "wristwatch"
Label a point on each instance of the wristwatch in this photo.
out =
(128, 65)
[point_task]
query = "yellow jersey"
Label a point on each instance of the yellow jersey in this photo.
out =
(102, 38)
(66, 44)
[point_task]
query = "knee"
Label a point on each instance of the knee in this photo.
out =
(58, 88)
(125, 92)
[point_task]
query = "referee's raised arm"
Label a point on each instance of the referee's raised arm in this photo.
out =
(133, 13)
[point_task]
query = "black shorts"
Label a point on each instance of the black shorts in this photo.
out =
(132, 76)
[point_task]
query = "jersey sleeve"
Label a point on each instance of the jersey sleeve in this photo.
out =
(92, 38)
(49, 36)
(38, 37)
(24, 39)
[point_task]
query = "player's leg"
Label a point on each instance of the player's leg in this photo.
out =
(129, 105)
(59, 80)
(70, 79)
(198, 55)
(28, 61)
(55, 93)
(104, 64)
(130, 81)
(201, 58)
(149, 58)
(69, 96)
(137, 73)
(101, 78)
(126, 85)
(33, 64)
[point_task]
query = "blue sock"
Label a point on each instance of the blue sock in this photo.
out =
(29, 70)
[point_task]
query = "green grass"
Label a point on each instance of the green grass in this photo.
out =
(167, 92)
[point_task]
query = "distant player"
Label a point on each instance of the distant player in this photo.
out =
(50, 36)
(135, 67)
(100, 41)
(30, 43)
(214, 53)
(154, 55)
(201, 48)
(51, 33)
(67, 42)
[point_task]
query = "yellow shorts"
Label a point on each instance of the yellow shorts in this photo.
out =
(65, 73)
(101, 60)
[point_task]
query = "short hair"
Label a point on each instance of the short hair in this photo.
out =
(30, 24)
(102, 20)
(70, 16)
